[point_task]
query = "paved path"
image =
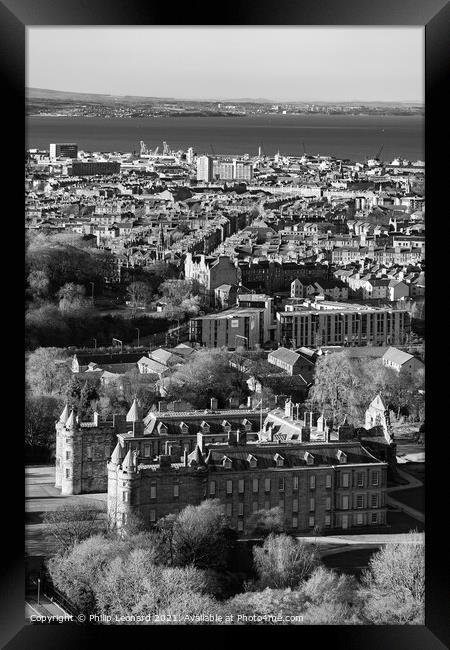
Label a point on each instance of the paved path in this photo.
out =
(413, 482)
(46, 607)
(41, 496)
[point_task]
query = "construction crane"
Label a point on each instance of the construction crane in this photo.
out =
(213, 152)
(377, 157)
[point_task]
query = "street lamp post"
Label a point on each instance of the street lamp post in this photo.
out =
(121, 344)
(139, 333)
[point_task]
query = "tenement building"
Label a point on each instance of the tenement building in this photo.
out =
(295, 465)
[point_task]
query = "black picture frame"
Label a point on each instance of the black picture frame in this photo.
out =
(15, 16)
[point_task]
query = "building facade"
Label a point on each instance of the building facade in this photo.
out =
(63, 150)
(94, 168)
(334, 485)
(340, 324)
(83, 448)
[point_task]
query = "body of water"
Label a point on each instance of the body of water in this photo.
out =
(343, 136)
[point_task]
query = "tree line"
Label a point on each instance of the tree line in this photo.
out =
(181, 569)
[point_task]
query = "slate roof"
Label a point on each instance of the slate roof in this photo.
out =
(397, 356)
(285, 355)
(193, 420)
(108, 359)
(294, 456)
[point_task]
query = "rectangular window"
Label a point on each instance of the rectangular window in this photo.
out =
(240, 525)
(345, 502)
(125, 497)
(328, 503)
(359, 519)
(312, 482)
(153, 492)
(89, 453)
(266, 505)
(360, 479)
(212, 488)
(295, 483)
(345, 480)
(255, 506)
(328, 481)
(229, 487)
(152, 515)
(312, 503)
(255, 485)
(374, 500)
(374, 517)
(146, 451)
(229, 509)
(294, 521)
(281, 504)
(124, 518)
(311, 520)
(267, 484)
(375, 478)
(67, 473)
(176, 490)
(241, 486)
(295, 505)
(281, 485)
(67, 455)
(240, 509)
(360, 501)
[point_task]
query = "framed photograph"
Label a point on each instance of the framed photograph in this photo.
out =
(225, 382)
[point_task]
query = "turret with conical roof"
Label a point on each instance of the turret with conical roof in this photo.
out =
(118, 454)
(129, 462)
(71, 422)
(65, 414)
(133, 414)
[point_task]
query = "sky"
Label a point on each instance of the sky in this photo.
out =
(276, 63)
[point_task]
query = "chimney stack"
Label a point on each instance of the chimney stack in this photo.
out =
(165, 461)
(214, 404)
(185, 457)
(95, 419)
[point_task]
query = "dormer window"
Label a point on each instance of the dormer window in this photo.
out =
(226, 425)
(279, 460)
(309, 458)
(252, 461)
(226, 462)
(341, 456)
(184, 427)
(205, 427)
(162, 429)
(247, 424)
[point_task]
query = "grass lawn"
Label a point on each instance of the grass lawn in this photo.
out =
(415, 469)
(350, 562)
(414, 497)
(400, 522)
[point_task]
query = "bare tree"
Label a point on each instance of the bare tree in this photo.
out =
(71, 524)
(283, 562)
